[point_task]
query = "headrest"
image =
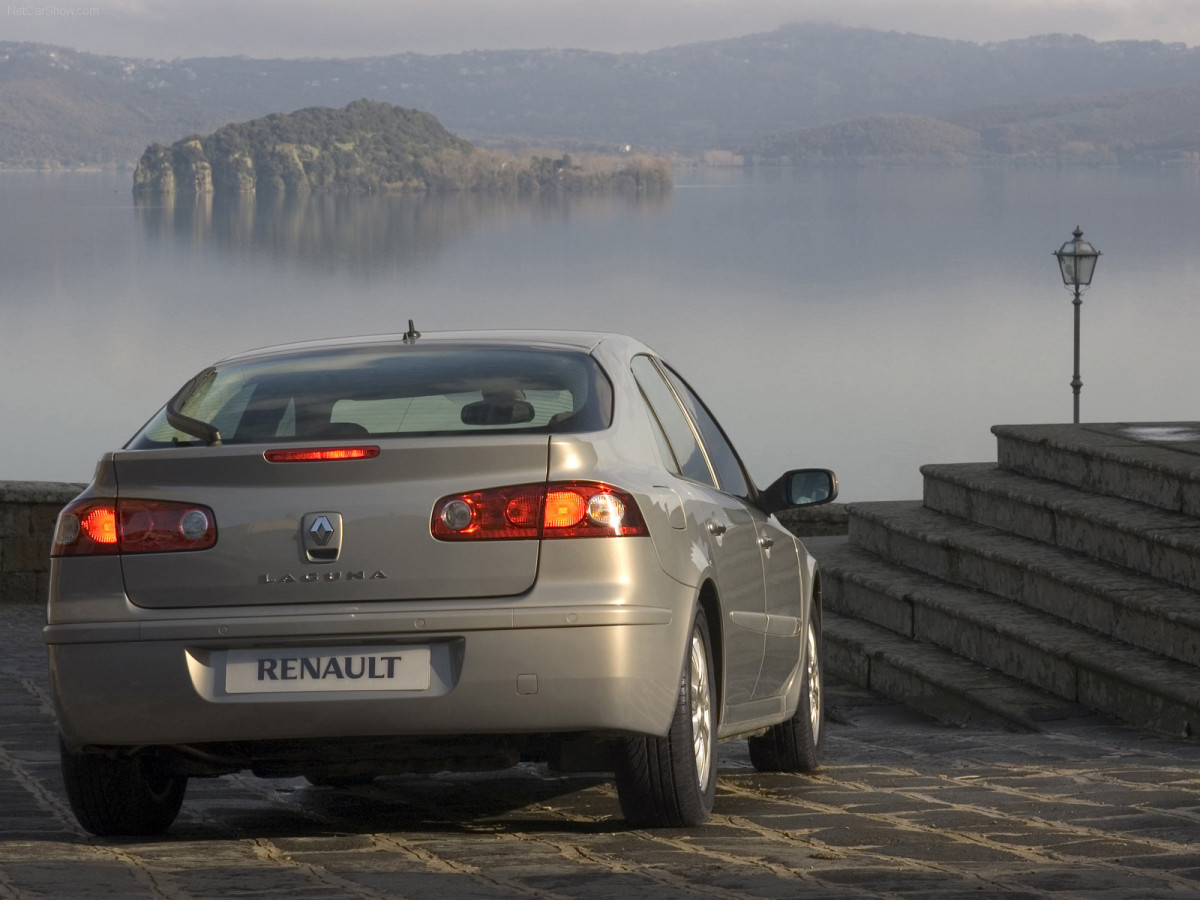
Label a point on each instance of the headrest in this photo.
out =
(497, 411)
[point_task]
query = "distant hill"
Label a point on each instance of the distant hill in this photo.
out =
(1137, 127)
(61, 106)
(888, 138)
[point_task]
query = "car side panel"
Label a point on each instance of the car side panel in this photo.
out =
(787, 605)
(726, 526)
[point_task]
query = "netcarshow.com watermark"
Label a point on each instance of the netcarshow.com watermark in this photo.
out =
(52, 11)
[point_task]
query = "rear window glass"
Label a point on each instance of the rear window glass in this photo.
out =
(386, 391)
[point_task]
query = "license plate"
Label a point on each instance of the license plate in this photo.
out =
(307, 669)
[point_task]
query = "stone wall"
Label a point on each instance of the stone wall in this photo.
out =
(28, 510)
(816, 521)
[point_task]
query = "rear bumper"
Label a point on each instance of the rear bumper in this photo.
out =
(524, 668)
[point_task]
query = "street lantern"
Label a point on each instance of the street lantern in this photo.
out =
(1077, 260)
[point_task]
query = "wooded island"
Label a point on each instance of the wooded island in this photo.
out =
(369, 147)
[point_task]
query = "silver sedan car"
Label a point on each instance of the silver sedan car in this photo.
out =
(353, 558)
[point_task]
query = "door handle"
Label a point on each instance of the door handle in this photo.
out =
(716, 528)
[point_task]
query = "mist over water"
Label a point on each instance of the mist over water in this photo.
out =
(870, 321)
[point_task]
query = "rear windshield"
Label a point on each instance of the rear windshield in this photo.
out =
(384, 391)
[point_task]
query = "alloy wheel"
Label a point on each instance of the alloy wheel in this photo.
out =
(700, 695)
(814, 683)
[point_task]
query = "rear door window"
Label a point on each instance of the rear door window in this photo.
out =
(685, 447)
(731, 478)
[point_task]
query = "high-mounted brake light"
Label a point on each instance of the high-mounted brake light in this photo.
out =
(98, 527)
(557, 510)
(321, 454)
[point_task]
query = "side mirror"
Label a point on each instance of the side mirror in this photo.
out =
(799, 487)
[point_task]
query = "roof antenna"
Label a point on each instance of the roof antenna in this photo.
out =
(412, 334)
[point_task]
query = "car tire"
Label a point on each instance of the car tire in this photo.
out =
(670, 782)
(121, 795)
(797, 744)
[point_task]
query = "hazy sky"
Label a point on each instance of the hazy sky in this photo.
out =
(164, 29)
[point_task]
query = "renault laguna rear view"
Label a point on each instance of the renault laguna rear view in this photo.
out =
(355, 558)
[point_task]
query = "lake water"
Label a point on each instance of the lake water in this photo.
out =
(868, 321)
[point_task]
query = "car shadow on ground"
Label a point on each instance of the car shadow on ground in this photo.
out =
(526, 799)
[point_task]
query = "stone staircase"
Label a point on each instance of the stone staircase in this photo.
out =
(1064, 578)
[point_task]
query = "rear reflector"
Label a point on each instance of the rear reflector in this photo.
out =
(531, 511)
(321, 454)
(96, 527)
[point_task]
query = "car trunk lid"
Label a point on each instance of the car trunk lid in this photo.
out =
(342, 531)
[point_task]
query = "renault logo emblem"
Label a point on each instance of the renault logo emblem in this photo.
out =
(321, 531)
(321, 534)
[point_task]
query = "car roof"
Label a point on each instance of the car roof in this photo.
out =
(585, 341)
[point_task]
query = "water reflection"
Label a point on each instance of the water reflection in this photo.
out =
(868, 321)
(365, 233)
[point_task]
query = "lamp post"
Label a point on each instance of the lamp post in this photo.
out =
(1077, 260)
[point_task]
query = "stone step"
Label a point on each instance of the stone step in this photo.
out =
(1156, 542)
(934, 681)
(868, 595)
(1138, 610)
(1154, 463)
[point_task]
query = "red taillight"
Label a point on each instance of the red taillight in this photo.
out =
(95, 527)
(321, 454)
(522, 510)
(100, 525)
(513, 513)
(557, 510)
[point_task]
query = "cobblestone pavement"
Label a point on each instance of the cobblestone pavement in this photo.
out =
(903, 808)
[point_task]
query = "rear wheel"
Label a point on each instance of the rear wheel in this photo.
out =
(670, 782)
(797, 744)
(121, 795)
